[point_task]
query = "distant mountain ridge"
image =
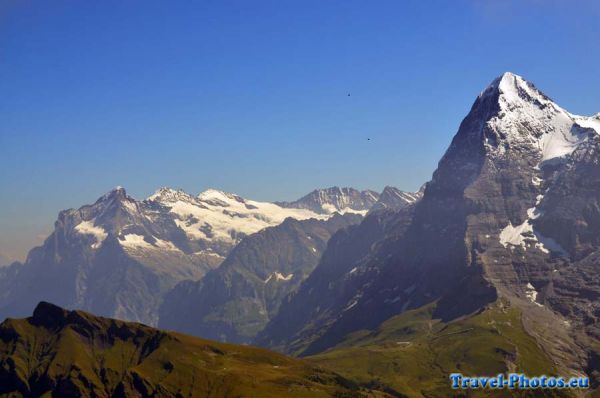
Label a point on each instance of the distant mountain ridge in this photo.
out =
(335, 199)
(395, 199)
(119, 256)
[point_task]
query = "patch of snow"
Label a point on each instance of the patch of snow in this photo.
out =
(531, 294)
(331, 209)
(410, 197)
(279, 277)
(588, 122)
(216, 215)
(166, 195)
(352, 304)
(524, 235)
(88, 228)
(135, 241)
(348, 210)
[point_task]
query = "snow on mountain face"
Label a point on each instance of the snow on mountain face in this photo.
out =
(88, 228)
(219, 216)
(208, 224)
(528, 124)
(137, 250)
(212, 222)
(119, 256)
(393, 198)
(335, 199)
(525, 236)
(277, 276)
(529, 119)
(168, 195)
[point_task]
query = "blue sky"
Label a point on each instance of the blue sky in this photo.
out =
(252, 96)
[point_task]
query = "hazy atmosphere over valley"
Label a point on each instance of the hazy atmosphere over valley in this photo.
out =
(300, 199)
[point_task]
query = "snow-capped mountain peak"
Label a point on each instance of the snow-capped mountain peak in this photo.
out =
(117, 192)
(514, 88)
(517, 115)
(177, 224)
(169, 195)
(335, 199)
(218, 197)
(393, 198)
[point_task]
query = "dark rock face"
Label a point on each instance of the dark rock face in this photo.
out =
(403, 271)
(511, 211)
(235, 301)
(344, 272)
(570, 215)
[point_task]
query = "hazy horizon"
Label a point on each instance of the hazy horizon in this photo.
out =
(104, 94)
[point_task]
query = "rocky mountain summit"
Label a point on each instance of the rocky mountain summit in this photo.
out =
(335, 199)
(392, 198)
(511, 213)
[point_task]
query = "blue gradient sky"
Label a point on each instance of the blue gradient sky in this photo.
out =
(251, 96)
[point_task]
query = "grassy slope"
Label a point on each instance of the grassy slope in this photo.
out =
(413, 354)
(111, 358)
